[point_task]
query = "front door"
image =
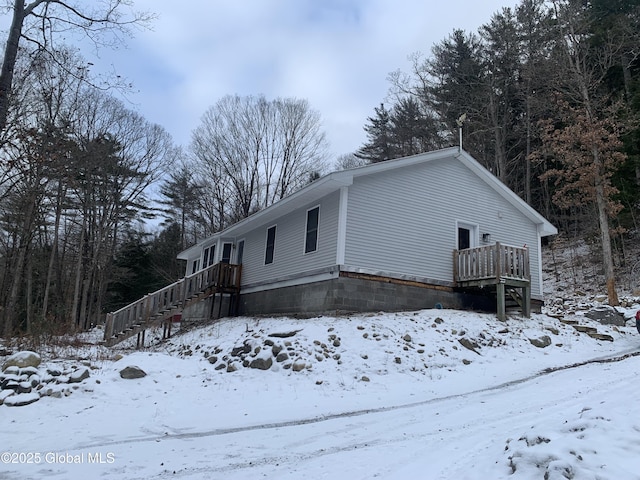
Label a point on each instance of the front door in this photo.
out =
(226, 252)
(464, 238)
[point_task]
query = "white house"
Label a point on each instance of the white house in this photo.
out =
(434, 228)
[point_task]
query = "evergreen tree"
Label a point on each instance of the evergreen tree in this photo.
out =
(379, 132)
(181, 198)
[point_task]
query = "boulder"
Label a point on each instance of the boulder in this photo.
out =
(132, 372)
(21, 399)
(22, 359)
(469, 344)
(282, 357)
(298, 366)
(607, 316)
(79, 375)
(4, 394)
(541, 342)
(261, 363)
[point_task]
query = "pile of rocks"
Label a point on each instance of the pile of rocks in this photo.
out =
(22, 382)
(277, 350)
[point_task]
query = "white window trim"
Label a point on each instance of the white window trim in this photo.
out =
(474, 228)
(237, 249)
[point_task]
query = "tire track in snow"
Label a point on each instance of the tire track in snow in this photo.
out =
(620, 356)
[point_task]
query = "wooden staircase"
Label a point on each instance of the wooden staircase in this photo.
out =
(503, 267)
(160, 307)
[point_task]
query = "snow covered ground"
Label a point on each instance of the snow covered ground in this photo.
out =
(434, 394)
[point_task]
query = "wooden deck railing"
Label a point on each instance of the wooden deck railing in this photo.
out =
(223, 277)
(491, 263)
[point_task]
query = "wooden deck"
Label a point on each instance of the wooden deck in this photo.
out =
(158, 308)
(503, 267)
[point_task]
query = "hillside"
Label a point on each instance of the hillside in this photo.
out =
(427, 394)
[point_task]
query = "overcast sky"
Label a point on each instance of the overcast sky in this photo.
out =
(336, 54)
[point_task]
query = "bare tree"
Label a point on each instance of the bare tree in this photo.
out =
(39, 22)
(256, 152)
(592, 132)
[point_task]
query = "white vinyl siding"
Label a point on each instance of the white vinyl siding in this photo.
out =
(416, 211)
(289, 258)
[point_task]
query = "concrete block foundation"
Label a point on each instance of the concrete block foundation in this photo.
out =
(347, 294)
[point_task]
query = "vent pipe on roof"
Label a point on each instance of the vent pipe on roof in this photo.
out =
(460, 121)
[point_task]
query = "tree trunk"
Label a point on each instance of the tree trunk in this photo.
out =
(9, 61)
(79, 274)
(605, 236)
(54, 252)
(29, 295)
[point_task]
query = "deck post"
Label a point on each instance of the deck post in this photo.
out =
(526, 301)
(501, 311)
(108, 327)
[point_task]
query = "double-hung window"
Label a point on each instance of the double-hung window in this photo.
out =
(271, 245)
(311, 236)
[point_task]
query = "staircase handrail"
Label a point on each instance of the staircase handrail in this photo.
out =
(221, 274)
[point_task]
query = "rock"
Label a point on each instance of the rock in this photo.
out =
(221, 366)
(29, 371)
(398, 360)
(601, 336)
(4, 394)
(282, 357)
(466, 362)
(261, 363)
(79, 375)
(276, 349)
(24, 387)
(407, 338)
(298, 366)
(585, 329)
(439, 320)
(21, 399)
(607, 316)
(34, 380)
(213, 359)
(231, 368)
(365, 378)
(541, 342)
(132, 372)
(11, 385)
(243, 350)
(285, 335)
(21, 360)
(469, 345)
(336, 342)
